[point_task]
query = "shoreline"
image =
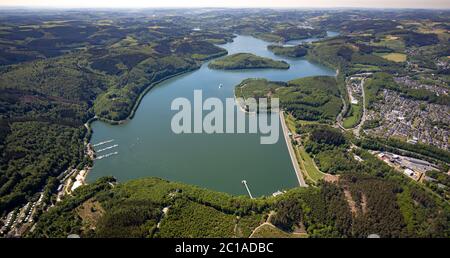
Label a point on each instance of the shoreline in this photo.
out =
(151, 86)
(301, 180)
(136, 104)
(238, 103)
(88, 123)
(138, 101)
(241, 107)
(90, 152)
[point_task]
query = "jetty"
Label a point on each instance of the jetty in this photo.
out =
(107, 155)
(248, 190)
(104, 142)
(109, 147)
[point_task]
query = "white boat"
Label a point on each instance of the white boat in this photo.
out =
(220, 85)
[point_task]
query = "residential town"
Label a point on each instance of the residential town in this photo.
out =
(411, 120)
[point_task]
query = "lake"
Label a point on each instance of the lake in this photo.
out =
(147, 147)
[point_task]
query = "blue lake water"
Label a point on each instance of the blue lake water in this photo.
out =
(147, 147)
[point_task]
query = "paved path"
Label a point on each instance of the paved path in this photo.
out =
(298, 172)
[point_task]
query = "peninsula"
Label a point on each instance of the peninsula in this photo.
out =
(289, 51)
(246, 61)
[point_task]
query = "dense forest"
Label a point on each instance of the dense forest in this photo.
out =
(289, 51)
(33, 152)
(65, 74)
(246, 61)
(310, 98)
(357, 206)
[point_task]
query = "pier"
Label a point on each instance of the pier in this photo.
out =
(248, 190)
(107, 155)
(101, 143)
(107, 148)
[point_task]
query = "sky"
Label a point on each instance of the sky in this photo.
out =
(435, 4)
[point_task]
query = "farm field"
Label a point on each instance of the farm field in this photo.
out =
(395, 57)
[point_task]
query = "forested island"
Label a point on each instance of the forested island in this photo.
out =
(289, 51)
(246, 61)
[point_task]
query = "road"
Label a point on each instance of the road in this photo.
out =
(341, 114)
(363, 117)
(298, 172)
(344, 108)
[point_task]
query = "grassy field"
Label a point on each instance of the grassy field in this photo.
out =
(307, 164)
(395, 57)
(305, 161)
(291, 123)
(352, 121)
(391, 42)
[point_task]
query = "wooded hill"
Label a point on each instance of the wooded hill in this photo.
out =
(69, 73)
(246, 61)
(311, 98)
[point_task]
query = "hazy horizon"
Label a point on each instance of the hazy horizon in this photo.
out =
(387, 4)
